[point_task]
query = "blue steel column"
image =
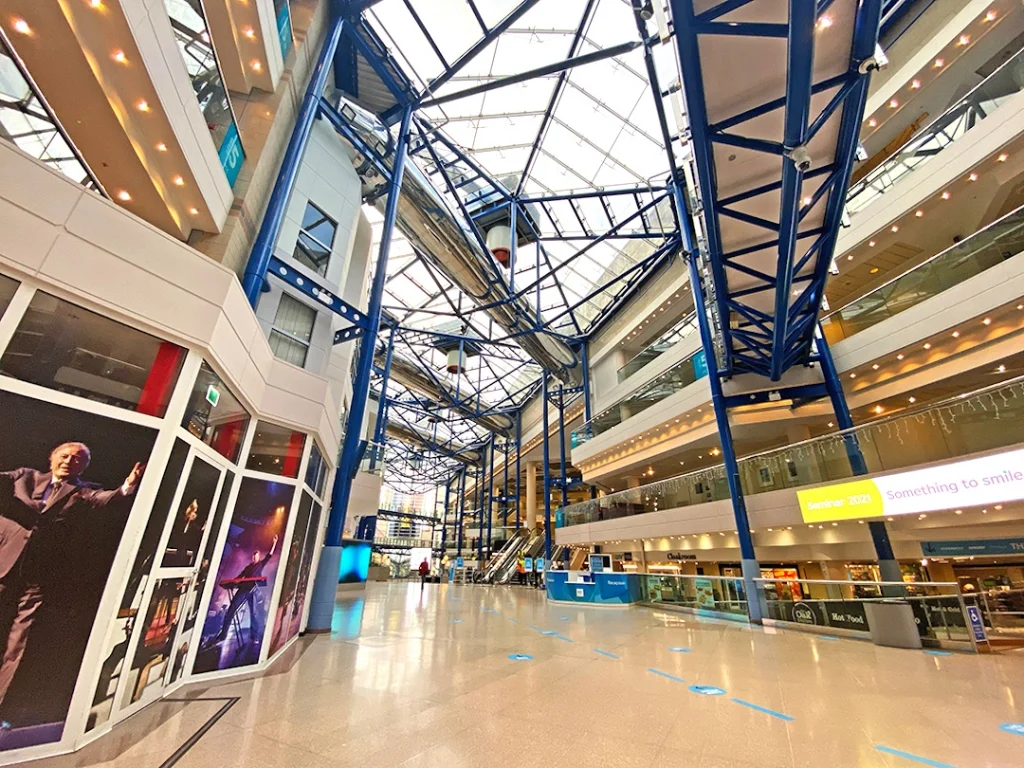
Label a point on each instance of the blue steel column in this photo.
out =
(326, 584)
(561, 445)
(381, 425)
(751, 569)
(461, 512)
(444, 517)
(519, 446)
(888, 566)
(478, 506)
(588, 413)
(489, 505)
(547, 468)
(270, 227)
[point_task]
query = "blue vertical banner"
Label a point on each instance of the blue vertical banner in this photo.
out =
(700, 365)
(284, 29)
(231, 154)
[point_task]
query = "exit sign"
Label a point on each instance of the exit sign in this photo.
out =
(212, 396)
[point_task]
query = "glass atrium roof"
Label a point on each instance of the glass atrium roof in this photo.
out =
(602, 133)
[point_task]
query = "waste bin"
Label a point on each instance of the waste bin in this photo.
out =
(892, 623)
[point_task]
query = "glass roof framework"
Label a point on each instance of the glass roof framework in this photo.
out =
(589, 133)
(602, 133)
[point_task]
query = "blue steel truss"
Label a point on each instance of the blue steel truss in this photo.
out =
(767, 317)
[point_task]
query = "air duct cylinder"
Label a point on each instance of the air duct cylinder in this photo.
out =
(499, 241)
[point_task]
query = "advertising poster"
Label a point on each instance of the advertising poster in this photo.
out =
(153, 652)
(120, 634)
(68, 480)
(192, 605)
(193, 513)
(291, 575)
(236, 617)
(705, 593)
(305, 568)
(993, 479)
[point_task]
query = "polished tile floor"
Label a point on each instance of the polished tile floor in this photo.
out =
(474, 677)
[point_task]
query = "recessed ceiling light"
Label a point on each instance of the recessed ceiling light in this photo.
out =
(95, 3)
(990, 16)
(963, 40)
(807, 201)
(878, 409)
(919, 213)
(912, 399)
(850, 257)
(915, 84)
(938, 63)
(824, 22)
(256, 65)
(958, 512)
(21, 27)
(973, 177)
(249, 33)
(987, 321)
(1001, 369)
(875, 367)
(1003, 157)
(874, 270)
(927, 345)
(956, 334)
(894, 228)
(945, 195)
(893, 103)
(853, 375)
(178, 181)
(119, 57)
(142, 106)
(831, 424)
(123, 196)
(900, 356)
(872, 123)
(871, 243)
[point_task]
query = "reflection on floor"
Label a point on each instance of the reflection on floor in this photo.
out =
(463, 676)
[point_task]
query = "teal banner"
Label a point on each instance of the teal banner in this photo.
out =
(231, 154)
(284, 30)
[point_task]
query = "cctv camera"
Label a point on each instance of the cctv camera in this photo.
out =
(801, 159)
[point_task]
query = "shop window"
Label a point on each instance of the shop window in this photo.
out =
(62, 346)
(316, 471)
(276, 450)
(7, 288)
(316, 238)
(215, 415)
(293, 328)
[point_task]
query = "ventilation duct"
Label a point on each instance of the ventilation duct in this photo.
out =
(425, 218)
(412, 377)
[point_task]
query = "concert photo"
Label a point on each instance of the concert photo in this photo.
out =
(236, 618)
(291, 575)
(68, 480)
(146, 677)
(191, 515)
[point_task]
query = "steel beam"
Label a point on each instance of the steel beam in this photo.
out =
(273, 217)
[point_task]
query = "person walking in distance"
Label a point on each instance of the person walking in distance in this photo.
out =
(424, 571)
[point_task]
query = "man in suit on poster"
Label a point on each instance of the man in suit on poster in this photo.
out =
(38, 516)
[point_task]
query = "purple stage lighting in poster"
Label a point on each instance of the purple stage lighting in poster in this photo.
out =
(240, 603)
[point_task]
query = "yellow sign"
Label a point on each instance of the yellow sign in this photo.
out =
(846, 501)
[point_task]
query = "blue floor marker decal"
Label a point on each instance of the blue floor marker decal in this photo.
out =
(827, 637)
(548, 632)
(665, 674)
(456, 621)
(939, 653)
(520, 657)
(679, 649)
(767, 711)
(707, 690)
(915, 758)
(1015, 728)
(513, 620)
(605, 653)
(563, 637)
(565, 618)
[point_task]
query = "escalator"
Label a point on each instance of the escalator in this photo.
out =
(502, 557)
(534, 547)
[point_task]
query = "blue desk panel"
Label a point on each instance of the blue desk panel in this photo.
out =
(606, 588)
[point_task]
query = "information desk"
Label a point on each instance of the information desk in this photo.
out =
(593, 588)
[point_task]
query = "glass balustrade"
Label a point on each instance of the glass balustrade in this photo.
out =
(961, 117)
(685, 328)
(983, 420)
(1001, 240)
(680, 375)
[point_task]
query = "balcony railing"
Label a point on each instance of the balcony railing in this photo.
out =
(999, 241)
(983, 420)
(680, 375)
(961, 117)
(681, 330)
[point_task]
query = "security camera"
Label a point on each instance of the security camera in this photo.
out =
(645, 8)
(878, 60)
(801, 158)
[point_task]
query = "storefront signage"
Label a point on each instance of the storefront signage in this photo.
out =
(966, 547)
(284, 30)
(988, 480)
(680, 556)
(231, 154)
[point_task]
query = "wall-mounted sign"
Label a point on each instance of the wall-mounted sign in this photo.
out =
(231, 154)
(284, 29)
(680, 556)
(700, 365)
(991, 479)
(967, 547)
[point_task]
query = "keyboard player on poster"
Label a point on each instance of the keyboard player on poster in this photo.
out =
(245, 585)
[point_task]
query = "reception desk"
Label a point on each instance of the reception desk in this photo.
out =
(605, 588)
